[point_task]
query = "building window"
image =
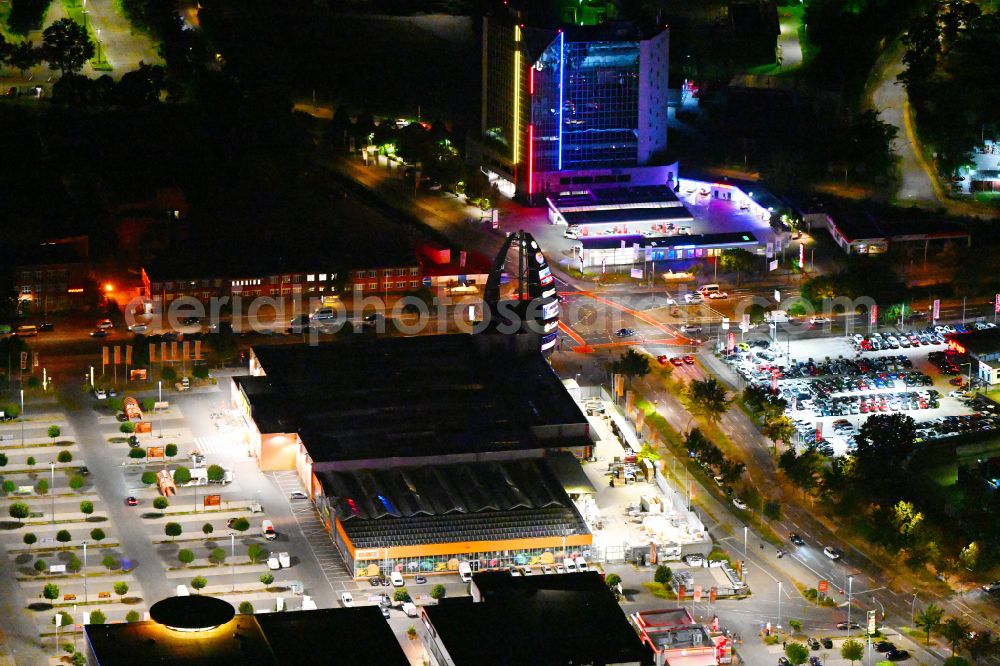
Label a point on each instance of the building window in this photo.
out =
(414, 283)
(274, 291)
(414, 271)
(322, 277)
(371, 274)
(400, 271)
(387, 273)
(373, 285)
(311, 278)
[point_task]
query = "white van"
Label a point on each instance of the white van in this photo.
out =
(397, 579)
(776, 316)
(581, 564)
(410, 609)
(707, 289)
(465, 571)
(569, 564)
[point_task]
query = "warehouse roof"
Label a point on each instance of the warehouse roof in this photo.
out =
(367, 399)
(449, 503)
(734, 238)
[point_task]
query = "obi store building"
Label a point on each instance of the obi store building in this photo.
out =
(425, 452)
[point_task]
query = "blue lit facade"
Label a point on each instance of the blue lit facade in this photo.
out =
(577, 108)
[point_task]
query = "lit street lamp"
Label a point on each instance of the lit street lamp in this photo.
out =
(84, 572)
(850, 582)
(232, 558)
(52, 489)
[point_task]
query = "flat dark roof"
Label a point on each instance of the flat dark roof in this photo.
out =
(981, 343)
(403, 506)
(680, 240)
(368, 399)
(357, 236)
(344, 636)
(614, 195)
(489, 583)
(869, 221)
(541, 627)
(607, 216)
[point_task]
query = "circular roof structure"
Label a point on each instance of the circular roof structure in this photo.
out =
(191, 613)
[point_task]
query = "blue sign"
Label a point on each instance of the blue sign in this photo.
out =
(427, 281)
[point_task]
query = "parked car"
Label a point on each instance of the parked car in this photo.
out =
(131, 501)
(105, 324)
(100, 394)
(397, 579)
(739, 504)
(99, 333)
(347, 599)
(297, 495)
(832, 553)
(884, 646)
(420, 580)
(625, 332)
(267, 529)
(897, 655)
(284, 559)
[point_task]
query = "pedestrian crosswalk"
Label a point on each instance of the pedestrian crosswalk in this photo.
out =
(218, 443)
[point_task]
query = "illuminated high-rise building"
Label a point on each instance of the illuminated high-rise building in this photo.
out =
(581, 105)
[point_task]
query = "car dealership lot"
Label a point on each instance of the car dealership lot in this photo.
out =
(833, 384)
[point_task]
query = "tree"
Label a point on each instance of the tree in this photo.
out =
(198, 583)
(401, 594)
(172, 530)
(40, 565)
(63, 536)
(663, 575)
(182, 475)
(885, 441)
(185, 556)
(148, 478)
(245, 608)
(9, 486)
(929, 619)
(127, 428)
(137, 454)
(160, 503)
(731, 470)
(50, 591)
(612, 580)
(170, 450)
(109, 562)
(954, 632)
(30, 461)
(132, 616)
(437, 592)
(852, 650)
(207, 528)
(168, 374)
(266, 579)
(97, 534)
(23, 56)
(76, 482)
(217, 556)
(19, 511)
(797, 653)
(42, 487)
(737, 260)
(254, 551)
(631, 364)
(241, 525)
(66, 46)
(648, 452)
(708, 398)
(3, 459)
(97, 617)
(215, 472)
(29, 539)
(86, 507)
(65, 619)
(54, 432)
(780, 429)
(121, 589)
(141, 87)
(980, 645)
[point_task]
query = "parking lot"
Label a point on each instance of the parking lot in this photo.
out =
(831, 385)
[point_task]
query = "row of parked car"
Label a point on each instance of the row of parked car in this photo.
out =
(952, 426)
(878, 342)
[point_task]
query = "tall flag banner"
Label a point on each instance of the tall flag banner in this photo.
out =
(128, 355)
(104, 355)
(118, 354)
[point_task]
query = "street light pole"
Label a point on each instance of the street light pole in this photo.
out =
(52, 489)
(22, 418)
(159, 386)
(778, 626)
(85, 572)
(913, 606)
(850, 583)
(745, 530)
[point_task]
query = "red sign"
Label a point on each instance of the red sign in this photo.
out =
(823, 586)
(874, 315)
(730, 343)
(213, 500)
(143, 426)
(819, 431)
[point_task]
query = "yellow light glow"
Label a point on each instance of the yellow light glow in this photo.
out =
(517, 91)
(109, 287)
